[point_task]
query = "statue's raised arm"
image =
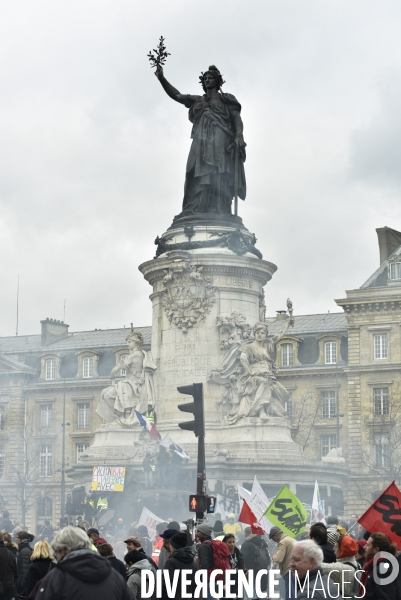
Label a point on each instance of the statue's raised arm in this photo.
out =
(168, 88)
(215, 168)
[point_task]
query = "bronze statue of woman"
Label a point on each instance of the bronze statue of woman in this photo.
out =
(215, 167)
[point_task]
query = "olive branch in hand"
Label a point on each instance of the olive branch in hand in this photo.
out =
(159, 58)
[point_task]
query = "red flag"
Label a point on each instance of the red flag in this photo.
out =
(384, 515)
(248, 517)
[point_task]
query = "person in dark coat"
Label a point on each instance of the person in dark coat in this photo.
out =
(47, 532)
(181, 558)
(318, 533)
(9, 544)
(5, 523)
(41, 563)
(23, 540)
(8, 571)
(81, 573)
(378, 542)
(106, 550)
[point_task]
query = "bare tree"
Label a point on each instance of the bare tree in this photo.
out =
(305, 414)
(28, 476)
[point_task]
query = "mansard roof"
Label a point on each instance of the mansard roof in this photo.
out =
(311, 324)
(380, 277)
(98, 338)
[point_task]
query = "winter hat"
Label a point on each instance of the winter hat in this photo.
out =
(348, 546)
(168, 533)
(332, 535)
(133, 557)
(174, 525)
(274, 531)
(92, 530)
(218, 526)
(205, 529)
(179, 540)
(143, 530)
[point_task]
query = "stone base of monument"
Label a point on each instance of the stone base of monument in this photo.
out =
(207, 283)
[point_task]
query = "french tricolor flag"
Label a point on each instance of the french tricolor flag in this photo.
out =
(151, 427)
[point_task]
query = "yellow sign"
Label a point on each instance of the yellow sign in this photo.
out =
(108, 479)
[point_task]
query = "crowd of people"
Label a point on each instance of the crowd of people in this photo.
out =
(79, 562)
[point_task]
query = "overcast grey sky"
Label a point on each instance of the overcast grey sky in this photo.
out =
(93, 152)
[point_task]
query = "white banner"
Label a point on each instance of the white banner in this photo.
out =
(259, 502)
(150, 520)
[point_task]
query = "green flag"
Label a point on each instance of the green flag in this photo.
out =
(287, 512)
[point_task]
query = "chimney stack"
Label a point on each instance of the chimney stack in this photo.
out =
(52, 331)
(389, 240)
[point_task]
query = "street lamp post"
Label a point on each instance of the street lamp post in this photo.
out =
(63, 425)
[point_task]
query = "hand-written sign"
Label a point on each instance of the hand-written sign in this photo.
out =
(287, 512)
(108, 479)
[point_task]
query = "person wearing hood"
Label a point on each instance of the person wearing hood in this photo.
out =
(345, 550)
(136, 563)
(232, 526)
(181, 558)
(80, 573)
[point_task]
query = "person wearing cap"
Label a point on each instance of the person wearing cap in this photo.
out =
(93, 535)
(232, 526)
(165, 536)
(205, 551)
(181, 558)
(282, 557)
(136, 563)
(345, 550)
(134, 543)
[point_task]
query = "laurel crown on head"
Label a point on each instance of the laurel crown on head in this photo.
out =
(216, 74)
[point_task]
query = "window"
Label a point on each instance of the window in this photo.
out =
(330, 353)
(380, 397)
(123, 372)
(50, 368)
(329, 405)
(1, 461)
(382, 451)
(46, 414)
(44, 510)
(83, 415)
(327, 443)
(380, 343)
(81, 449)
(87, 365)
(288, 407)
(2, 417)
(287, 355)
(395, 270)
(45, 461)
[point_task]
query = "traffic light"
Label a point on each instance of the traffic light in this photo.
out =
(211, 504)
(195, 407)
(197, 503)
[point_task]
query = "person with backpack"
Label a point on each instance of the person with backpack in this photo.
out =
(212, 554)
(256, 555)
(345, 550)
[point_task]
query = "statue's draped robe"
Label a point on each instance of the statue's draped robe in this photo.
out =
(210, 172)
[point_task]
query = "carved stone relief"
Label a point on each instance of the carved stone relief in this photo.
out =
(188, 295)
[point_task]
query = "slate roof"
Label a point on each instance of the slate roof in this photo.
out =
(304, 324)
(113, 338)
(380, 276)
(77, 340)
